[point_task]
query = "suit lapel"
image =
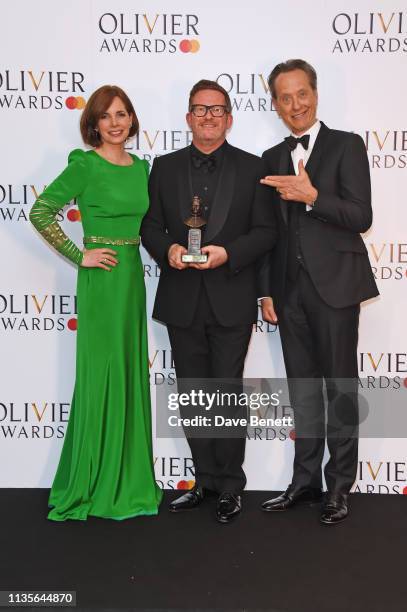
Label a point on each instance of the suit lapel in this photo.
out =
(223, 196)
(286, 165)
(184, 181)
(317, 150)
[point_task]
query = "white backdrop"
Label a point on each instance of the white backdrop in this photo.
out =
(53, 55)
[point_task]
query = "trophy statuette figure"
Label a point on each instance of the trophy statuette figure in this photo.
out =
(195, 222)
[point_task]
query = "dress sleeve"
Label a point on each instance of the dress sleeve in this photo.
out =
(68, 185)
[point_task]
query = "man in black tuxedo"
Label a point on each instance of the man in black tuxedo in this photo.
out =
(209, 308)
(313, 283)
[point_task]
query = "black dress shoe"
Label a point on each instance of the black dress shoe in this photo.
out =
(290, 497)
(228, 507)
(188, 501)
(335, 509)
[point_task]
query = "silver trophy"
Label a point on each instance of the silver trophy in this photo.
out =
(195, 222)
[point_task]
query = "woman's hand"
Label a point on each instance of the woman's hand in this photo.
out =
(99, 258)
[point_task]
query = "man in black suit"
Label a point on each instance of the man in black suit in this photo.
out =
(313, 283)
(209, 308)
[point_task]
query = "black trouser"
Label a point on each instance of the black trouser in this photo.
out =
(320, 342)
(207, 350)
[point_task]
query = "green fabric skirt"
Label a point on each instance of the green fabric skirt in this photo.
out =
(106, 466)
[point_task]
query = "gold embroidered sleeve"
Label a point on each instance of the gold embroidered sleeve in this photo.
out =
(70, 184)
(43, 217)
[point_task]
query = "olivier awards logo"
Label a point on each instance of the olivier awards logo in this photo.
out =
(174, 472)
(148, 33)
(383, 366)
(370, 32)
(37, 313)
(33, 420)
(41, 89)
(381, 477)
(268, 432)
(152, 143)
(386, 148)
(162, 368)
(388, 260)
(16, 201)
(248, 92)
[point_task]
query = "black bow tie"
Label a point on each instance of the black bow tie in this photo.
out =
(207, 162)
(292, 142)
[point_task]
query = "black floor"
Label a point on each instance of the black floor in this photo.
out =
(283, 562)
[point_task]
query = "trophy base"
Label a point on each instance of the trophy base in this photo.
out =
(198, 258)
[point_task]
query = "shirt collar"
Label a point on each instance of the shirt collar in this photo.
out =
(217, 153)
(313, 131)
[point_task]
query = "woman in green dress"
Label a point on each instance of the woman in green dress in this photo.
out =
(106, 466)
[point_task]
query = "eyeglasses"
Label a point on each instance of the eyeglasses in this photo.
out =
(216, 110)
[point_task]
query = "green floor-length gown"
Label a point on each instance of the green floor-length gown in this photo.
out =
(106, 466)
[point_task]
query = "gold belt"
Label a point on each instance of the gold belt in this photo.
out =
(114, 241)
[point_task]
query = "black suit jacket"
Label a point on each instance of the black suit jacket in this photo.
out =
(241, 220)
(334, 252)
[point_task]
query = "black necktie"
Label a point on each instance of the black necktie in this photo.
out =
(292, 142)
(207, 162)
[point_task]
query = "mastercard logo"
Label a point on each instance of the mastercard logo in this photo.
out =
(292, 434)
(74, 215)
(189, 46)
(186, 485)
(72, 324)
(75, 102)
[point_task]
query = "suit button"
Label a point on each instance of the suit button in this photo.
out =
(205, 208)
(299, 257)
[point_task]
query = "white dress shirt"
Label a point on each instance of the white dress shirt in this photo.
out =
(300, 153)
